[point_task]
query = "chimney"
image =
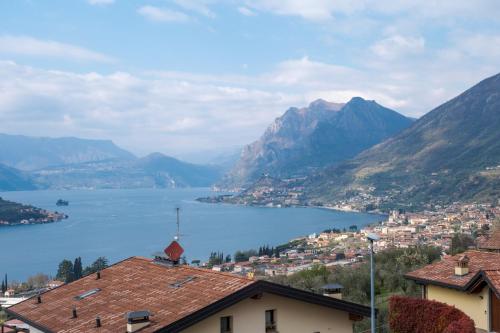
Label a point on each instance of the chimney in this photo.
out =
(333, 290)
(137, 320)
(462, 266)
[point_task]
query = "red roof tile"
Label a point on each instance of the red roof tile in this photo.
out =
(131, 285)
(492, 242)
(443, 272)
(494, 279)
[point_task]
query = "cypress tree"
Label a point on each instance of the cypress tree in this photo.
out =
(77, 268)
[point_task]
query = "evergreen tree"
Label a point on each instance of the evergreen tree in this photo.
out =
(228, 258)
(77, 268)
(65, 271)
(98, 265)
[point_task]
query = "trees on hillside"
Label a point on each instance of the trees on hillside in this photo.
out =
(460, 243)
(391, 265)
(69, 271)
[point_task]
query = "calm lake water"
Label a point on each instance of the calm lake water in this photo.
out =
(123, 223)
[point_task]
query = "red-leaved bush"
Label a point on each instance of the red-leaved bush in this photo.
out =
(412, 315)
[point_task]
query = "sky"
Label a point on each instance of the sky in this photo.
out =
(194, 78)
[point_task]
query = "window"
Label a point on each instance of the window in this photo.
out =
(226, 324)
(270, 321)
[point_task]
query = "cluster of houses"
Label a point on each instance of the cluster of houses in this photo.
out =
(400, 230)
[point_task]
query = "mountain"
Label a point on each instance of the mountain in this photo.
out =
(31, 153)
(168, 169)
(452, 153)
(153, 171)
(307, 139)
(12, 179)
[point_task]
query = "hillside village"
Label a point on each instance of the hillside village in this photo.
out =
(399, 230)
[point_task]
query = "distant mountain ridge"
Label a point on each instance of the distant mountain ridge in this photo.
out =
(29, 163)
(451, 153)
(153, 171)
(31, 153)
(13, 180)
(307, 139)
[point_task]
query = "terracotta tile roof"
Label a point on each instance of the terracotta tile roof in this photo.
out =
(443, 272)
(493, 276)
(492, 242)
(130, 285)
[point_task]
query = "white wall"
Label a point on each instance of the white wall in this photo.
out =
(292, 317)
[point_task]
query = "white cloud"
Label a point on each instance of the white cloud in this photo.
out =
(162, 14)
(198, 6)
(320, 10)
(395, 46)
(181, 112)
(101, 2)
(29, 46)
(246, 11)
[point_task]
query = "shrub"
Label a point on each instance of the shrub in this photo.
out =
(411, 315)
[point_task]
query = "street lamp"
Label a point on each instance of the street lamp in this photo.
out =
(372, 238)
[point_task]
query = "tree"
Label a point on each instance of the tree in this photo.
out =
(461, 243)
(353, 228)
(77, 268)
(65, 271)
(98, 265)
(38, 281)
(241, 256)
(228, 258)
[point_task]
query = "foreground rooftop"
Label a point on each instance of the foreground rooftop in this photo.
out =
(176, 296)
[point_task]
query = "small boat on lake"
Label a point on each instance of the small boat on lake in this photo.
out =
(62, 202)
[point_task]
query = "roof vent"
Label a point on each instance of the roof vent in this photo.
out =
(180, 283)
(137, 320)
(333, 290)
(462, 266)
(87, 294)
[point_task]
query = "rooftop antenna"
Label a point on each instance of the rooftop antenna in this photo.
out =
(177, 236)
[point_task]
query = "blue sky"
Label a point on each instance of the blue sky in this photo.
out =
(189, 77)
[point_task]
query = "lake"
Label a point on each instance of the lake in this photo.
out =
(121, 223)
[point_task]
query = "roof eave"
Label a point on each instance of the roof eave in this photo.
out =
(27, 321)
(264, 287)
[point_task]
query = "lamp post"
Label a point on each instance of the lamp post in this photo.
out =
(372, 238)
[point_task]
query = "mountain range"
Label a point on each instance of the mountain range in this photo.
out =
(358, 152)
(451, 153)
(29, 163)
(308, 139)
(32, 153)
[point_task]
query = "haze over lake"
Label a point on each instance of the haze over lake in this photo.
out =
(123, 223)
